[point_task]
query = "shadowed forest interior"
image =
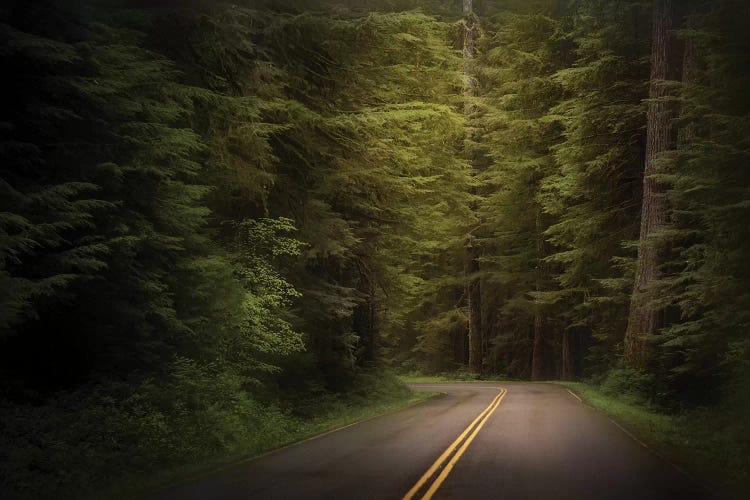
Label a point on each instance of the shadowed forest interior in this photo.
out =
(223, 223)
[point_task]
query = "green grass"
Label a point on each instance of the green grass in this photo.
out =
(460, 376)
(425, 379)
(337, 415)
(346, 415)
(711, 445)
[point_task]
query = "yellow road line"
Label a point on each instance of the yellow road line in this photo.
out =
(461, 451)
(481, 418)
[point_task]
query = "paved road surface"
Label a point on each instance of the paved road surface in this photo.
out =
(528, 441)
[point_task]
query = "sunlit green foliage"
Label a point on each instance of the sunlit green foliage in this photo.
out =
(518, 131)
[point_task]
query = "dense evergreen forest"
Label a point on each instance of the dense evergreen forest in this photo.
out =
(221, 220)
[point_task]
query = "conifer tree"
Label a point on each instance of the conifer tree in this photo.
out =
(518, 132)
(660, 136)
(594, 191)
(705, 274)
(473, 288)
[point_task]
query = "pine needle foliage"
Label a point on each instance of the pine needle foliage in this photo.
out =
(706, 275)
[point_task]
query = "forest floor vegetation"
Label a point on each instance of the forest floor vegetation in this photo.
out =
(457, 376)
(88, 446)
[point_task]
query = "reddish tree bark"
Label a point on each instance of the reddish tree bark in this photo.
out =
(537, 356)
(567, 358)
(660, 136)
(473, 291)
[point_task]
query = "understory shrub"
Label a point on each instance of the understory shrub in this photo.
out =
(91, 438)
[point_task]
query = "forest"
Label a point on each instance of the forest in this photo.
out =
(222, 221)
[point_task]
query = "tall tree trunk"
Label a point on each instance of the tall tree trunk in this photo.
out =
(460, 348)
(537, 359)
(644, 320)
(567, 358)
(371, 345)
(364, 319)
(475, 313)
(473, 288)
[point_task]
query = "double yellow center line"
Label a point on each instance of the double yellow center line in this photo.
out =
(453, 453)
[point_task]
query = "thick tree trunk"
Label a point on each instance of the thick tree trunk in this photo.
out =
(371, 345)
(365, 325)
(644, 320)
(537, 356)
(460, 348)
(567, 358)
(473, 292)
(473, 288)
(537, 359)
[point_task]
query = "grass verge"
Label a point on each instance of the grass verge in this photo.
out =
(426, 379)
(710, 445)
(417, 378)
(340, 414)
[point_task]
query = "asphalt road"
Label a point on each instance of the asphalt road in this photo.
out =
(527, 441)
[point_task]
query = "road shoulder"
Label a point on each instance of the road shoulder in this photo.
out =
(670, 437)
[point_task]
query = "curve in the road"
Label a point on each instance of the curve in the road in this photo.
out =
(539, 444)
(453, 452)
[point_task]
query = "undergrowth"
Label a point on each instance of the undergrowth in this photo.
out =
(416, 377)
(119, 440)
